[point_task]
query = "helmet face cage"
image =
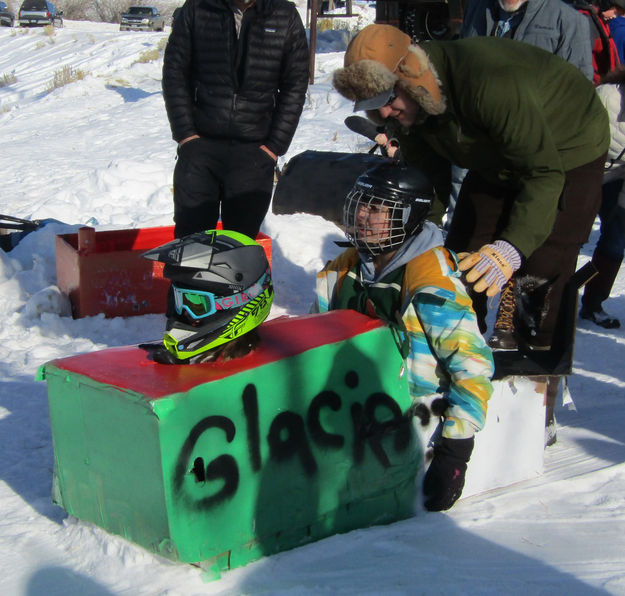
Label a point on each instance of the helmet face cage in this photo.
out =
(375, 222)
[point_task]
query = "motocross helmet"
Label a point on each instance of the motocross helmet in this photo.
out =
(222, 289)
(387, 204)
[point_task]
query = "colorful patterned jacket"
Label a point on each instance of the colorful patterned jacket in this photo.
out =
(448, 355)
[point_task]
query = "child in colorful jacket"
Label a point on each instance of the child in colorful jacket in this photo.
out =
(398, 270)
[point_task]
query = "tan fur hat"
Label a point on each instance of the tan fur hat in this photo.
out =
(382, 56)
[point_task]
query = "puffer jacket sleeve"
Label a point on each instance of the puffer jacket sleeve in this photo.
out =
(177, 91)
(612, 98)
(292, 89)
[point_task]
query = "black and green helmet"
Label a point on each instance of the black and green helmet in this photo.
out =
(222, 288)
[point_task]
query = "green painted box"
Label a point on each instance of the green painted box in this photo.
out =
(221, 464)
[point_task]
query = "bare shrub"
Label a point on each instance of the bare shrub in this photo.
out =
(148, 56)
(75, 10)
(8, 78)
(64, 76)
(109, 11)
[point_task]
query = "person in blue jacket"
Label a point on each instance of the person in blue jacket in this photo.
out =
(615, 18)
(550, 25)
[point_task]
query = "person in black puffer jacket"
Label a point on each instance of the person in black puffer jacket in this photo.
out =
(235, 75)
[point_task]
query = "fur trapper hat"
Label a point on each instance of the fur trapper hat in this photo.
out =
(381, 57)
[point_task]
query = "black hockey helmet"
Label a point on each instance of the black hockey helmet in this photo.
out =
(397, 198)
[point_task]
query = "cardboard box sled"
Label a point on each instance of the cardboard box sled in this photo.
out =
(223, 463)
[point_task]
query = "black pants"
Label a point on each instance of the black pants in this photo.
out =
(483, 210)
(219, 177)
(610, 248)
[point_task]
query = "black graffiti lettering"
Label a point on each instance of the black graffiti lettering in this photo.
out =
(377, 424)
(422, 412)
(399, 425)
(250, 409)
(198, 470)
(295, 441)
(351, 379)
(368, 429)
(331, 400)
(373, 433)
(223, 467)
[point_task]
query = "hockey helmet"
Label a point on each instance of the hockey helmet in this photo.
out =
(387, 204)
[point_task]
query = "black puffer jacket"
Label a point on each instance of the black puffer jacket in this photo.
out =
(249, 89)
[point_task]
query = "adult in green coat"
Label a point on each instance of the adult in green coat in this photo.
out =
(526, 124)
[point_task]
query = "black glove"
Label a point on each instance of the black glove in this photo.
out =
(444, 480)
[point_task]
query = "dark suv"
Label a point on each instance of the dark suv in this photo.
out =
(39, 12)
(142, 18)
(7, 18)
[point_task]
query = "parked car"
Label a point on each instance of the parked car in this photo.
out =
(39, 12)
(7, 18)
(142, 18)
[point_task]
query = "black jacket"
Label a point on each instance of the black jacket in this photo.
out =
(248, 89)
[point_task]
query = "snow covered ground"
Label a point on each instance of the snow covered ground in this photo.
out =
(98, 151)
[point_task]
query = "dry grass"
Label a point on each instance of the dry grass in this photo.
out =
(64, 76)
(148, 56)
(8, 78)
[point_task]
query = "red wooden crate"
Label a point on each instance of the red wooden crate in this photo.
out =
(103, 272)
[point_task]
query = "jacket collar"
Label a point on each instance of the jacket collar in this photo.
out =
(532, 7)
(263, 7)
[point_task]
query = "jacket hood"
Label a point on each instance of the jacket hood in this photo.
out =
(381, 57)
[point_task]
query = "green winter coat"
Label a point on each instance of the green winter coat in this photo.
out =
(519, 116)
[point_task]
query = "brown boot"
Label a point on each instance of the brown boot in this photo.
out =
(503, 334)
